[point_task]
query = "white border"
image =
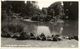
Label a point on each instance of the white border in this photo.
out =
(32, 47)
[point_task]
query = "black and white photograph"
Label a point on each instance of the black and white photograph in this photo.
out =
(46, 23)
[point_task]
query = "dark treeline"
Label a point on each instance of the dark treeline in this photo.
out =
(71, 10)
(20, 8)
(30, 10)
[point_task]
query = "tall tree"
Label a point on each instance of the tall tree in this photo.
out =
(56, 9)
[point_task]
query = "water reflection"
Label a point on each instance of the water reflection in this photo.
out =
(43, 29)
(69, 28)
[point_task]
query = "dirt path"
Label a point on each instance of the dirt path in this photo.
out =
(37, 43)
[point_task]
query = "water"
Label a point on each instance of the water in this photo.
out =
(68, 28)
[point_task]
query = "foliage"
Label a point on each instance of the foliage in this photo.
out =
(31, 10)
(56, 9)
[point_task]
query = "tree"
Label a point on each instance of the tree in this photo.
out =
(30, 8)
(56, 10)
(71, 10)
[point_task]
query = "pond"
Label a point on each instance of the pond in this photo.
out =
(68, 28)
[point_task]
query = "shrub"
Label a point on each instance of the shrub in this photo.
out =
(11, 29)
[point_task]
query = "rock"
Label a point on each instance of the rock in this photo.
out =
(76, 37)
(42, 36)
(71, 38)
(56, 38)
(38, 38)
(23, 36)
(32, 36)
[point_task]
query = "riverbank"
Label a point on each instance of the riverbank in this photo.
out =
(33, 27)
(9, 42)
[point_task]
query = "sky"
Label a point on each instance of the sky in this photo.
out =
(44, 3)
(41, 3)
